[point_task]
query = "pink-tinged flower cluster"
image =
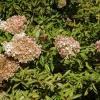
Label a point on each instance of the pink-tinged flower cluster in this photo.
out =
(97, 45)
(7, 67)
(67, 46)
(15, 24)
(23, 49)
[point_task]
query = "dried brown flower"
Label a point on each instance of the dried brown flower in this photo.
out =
(61, 3)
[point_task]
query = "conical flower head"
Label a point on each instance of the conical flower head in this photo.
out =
(15, 24)
(23, 49)
(7, 67)
(67, 46)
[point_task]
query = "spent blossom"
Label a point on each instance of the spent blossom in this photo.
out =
(7, 67)
(61, 3)
(23, 49)
(15, 24)
(97, 45)
(67, 46)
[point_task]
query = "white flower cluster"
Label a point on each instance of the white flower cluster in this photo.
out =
(14, 24)
(17, 36)
(67, 46)
(23, 48)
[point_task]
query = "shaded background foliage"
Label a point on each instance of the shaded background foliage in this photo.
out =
(50, 77)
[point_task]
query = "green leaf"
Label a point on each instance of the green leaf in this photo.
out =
(74, 97)
(84, 56)
(37, 34)
(80, 63)
(35, 95)
(87, 65)
(47, 67)
(51, 66)
(16, 7)
(31, 82)
(66, 73)
(86, 92)
(94, 88)
(49, 25)
(15, 85)
(48, 98)
(97, 1)
(42, 60)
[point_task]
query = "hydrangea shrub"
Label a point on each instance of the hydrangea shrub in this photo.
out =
(50, 50)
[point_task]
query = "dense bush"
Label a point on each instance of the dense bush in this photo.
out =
(50, 76)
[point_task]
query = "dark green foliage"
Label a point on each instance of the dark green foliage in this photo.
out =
(51, 77)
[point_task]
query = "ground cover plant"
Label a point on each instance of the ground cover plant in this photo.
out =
(49, 50)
